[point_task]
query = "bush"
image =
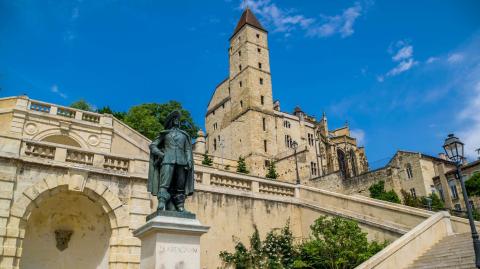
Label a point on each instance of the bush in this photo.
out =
(334, 243)
(473, 185)
(272, 171)
(377, 191)
(242, 166)
(207, 160)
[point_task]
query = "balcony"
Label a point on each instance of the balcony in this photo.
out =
(68, 112)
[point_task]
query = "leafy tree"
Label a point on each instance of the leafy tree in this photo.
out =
(377, 191)
(336, 243)
(107, 110)
(410, 200)
(81, 104)
(207, 160)
(148, 119)
(272, 171)
(242, 166)
(473, 185)
(276, 251)
(436, 203)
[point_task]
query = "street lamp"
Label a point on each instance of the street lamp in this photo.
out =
(295, 146)
(454, 149)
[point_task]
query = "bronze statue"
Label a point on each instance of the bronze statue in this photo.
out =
(170, 175)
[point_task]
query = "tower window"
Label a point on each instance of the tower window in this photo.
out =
(286, 124)
(313, 168)
(261, 81)
(264, 123)
(215, 126)
(262, 100)
(240, 83)
(258, 36)
(241, 104)
(240, 67)
(259, 50)
(214, 144)
(288, 141)
(260, 65)
(413, 192)
(239, 53)
(310, 139)
(265, 145)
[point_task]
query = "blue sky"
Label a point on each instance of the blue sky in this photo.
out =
(403, 74)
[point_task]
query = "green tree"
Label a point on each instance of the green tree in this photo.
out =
(242, 166)
(276, 251)
(207, 160)
(436, 203)
(120, 115)
(336, 243)
(473, 185)
(410, 200)
(148, 119)
(377, 191)
(272, 171)
(81, 104)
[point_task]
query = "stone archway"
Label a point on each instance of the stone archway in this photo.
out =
(121, 240)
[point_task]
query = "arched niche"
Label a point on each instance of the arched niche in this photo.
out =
(62, 139)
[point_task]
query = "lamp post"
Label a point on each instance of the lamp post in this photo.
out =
(454, 149)
(295, 146)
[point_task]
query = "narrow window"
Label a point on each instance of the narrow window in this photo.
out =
(258, 36)
(214, 144)
(241, 104)
(259, 50)
(239, 53)
(240, 83)
(213, 112)
(264, 122)
(261, 81)
(313, 167)
(409, 170)
(265, 145)
(262, 100)
(259, 65)
(413, 192)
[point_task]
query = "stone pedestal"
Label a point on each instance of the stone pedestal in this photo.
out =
(170, 240)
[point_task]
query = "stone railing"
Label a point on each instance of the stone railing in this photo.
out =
(39, 150)
(242, 183)
(68, 112)
(44, 151)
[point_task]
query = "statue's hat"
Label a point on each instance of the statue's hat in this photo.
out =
(169, 120)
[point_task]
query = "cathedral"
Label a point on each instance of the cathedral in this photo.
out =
(243, 120)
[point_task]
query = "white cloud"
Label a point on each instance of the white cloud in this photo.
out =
(55, 89)
(431, 60)
(470, 134)
(359, 134)
(455, 58)
(402, 55)
(286, 21)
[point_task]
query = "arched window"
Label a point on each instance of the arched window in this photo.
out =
(342, 164)
(353, 162)
(62, 139)
(408, 168)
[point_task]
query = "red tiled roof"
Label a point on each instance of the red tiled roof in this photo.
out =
(248, 18)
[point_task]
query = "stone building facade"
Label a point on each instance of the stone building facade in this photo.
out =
(243, 120)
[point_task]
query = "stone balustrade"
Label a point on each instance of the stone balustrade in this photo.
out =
(44, 151)
(67, 112)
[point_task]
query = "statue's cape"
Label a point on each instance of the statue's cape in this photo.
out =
(155, 165)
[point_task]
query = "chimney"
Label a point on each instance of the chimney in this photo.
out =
(276, 105)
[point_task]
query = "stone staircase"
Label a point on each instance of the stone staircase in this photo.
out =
(455, 251)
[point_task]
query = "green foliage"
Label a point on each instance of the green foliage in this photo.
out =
(242, 166)
(107, 110)
(377, 191)
(207, 160)
(148, 119)
(409, 200)
(272, 171)
(473, 185)
(81, 104)
(436, 203)
(276, 251)
(334, 243)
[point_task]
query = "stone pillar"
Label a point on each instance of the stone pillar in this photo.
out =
(200, 144)
(170, 240)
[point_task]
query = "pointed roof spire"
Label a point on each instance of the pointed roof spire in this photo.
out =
(248, 18)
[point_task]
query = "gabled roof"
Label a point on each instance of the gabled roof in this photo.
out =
(248, 18)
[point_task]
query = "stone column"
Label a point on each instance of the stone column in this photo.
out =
(170, 240)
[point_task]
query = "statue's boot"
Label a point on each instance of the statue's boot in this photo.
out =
(179, 202)
(163, 197)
